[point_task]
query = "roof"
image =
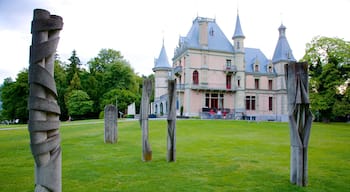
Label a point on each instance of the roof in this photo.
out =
(217, 41)
(238, 29)
(252, 56)
(283, 52)
(162, 61)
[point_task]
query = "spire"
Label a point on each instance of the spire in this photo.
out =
(282, 30)
(162, 61)
(283, 52)
(238, 30)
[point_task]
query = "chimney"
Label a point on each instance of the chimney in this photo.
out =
(203, 32)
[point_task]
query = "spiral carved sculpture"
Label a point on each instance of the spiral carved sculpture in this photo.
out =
(44, 111)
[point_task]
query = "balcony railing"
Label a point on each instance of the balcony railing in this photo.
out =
(178, 70)
(230, 68)
(214, 87)
(180, 87)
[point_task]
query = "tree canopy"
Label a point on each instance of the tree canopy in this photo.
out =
(82, 92)
(329, 70)
(14, 97)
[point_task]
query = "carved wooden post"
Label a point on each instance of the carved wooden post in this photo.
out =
(144, 109)
(300, 119)
(44, 111)
(171, 139)
(111, 129)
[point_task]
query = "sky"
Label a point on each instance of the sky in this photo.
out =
(137, 28)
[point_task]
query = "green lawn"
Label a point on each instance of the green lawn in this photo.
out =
(211, 156)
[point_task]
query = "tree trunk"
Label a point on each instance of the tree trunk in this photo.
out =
(44, 111)
(171, 139)
(300, 119)
(144, 110)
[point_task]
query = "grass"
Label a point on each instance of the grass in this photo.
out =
(211, 156)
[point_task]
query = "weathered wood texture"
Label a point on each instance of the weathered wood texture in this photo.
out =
(111, 126)
(300, 120)
(144, 111)
(44, 111)
(171, 139)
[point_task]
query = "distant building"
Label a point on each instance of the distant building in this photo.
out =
(214, 74)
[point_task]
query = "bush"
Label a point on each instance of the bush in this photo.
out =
(130, 116)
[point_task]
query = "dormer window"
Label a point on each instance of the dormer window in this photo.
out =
(256, 65)
(256, 68)
(211, 31)
(270, 69)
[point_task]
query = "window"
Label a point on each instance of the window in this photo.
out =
(256, 68)
(253, 103)
(238, 83)
(250, 102)
(214, 100)
(228, 81)
(256, 83)
(195, 77)
(247, 102)
(161, 108)
(270, 84)
(270, 103)
(238, 45)
(211, 31)
(207, 99)
(228, 64)
(270, 69)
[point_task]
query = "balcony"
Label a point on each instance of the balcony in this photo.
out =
(213, 87)
(180, 87)
(178, 70)
(229, 69)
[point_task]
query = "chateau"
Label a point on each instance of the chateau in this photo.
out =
(214, 74)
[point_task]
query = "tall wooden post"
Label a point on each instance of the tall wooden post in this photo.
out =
(171, 139)
(144, 110)
(300, 120)
(110, 124)
(44, 111)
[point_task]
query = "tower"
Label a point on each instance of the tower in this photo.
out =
(282, 55)
(162, 72)
(239, 61)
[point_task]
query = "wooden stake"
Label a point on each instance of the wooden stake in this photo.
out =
(144, 111)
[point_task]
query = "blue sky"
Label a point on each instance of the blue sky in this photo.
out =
(137, 27)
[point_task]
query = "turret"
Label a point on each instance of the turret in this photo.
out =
(238, 37)
(162, 72)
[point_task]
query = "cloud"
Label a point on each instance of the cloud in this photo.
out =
(17, 14)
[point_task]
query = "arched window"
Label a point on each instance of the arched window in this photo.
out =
(195, 77)
(161, 109)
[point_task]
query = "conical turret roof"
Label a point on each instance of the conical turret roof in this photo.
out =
(238, 29)
(162, 62)
(283, 52)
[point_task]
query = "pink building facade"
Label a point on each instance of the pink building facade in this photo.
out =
(221, 78)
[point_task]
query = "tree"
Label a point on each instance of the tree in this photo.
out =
(109, 71)
(329, 70)
(14, 97)
(122, 96)
(78, 104)
(73, 67)
(61, 86)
